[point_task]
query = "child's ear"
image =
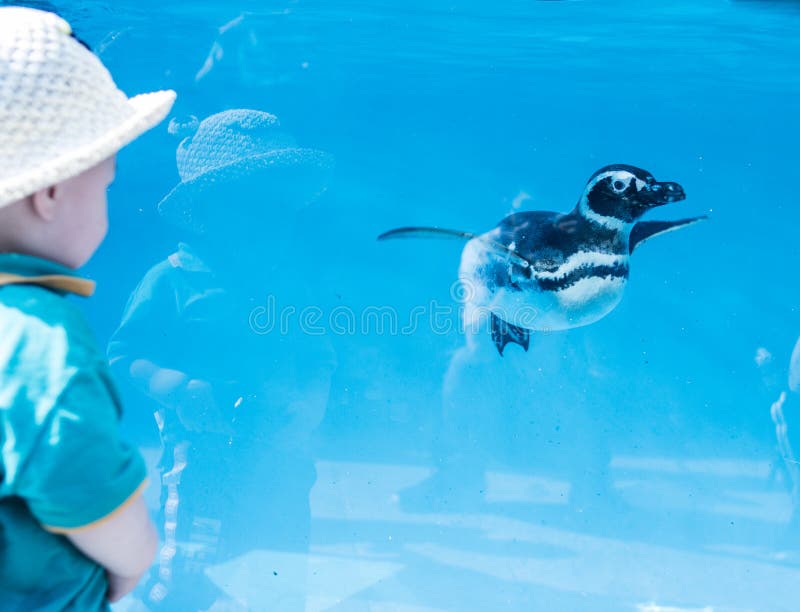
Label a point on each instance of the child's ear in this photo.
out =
(44, 202)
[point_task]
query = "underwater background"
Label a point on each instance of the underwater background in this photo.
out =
(641, 463)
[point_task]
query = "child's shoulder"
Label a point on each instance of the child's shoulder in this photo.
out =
(37, 322)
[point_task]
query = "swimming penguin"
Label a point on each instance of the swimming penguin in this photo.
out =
(551, 271)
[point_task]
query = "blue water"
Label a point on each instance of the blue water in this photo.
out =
(639, 463)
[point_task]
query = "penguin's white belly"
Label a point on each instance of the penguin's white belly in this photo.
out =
(583, 303)
(578, 303)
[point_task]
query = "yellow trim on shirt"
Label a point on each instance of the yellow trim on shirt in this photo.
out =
(131, 498)
(73, 284)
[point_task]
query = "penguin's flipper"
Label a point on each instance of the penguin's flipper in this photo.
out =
(644, 230)
(440, 232)
(503, 333)
(426, 232)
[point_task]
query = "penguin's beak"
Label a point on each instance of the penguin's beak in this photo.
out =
(658, 194)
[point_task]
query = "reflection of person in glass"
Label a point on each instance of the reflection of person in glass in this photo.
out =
(234, 406)
(783, 413)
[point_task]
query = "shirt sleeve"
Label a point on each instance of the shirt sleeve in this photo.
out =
(77, 470)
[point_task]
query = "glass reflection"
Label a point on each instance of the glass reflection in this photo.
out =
(783, 412)
(235, 403)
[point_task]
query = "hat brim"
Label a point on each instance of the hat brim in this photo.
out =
(281, 178)
(148, 111)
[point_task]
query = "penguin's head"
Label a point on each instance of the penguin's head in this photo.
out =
(618, 195)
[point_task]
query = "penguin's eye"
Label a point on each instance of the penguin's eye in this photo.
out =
(618, 186)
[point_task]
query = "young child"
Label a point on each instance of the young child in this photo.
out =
(74, 530)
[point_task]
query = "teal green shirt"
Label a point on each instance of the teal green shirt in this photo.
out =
(62, 463)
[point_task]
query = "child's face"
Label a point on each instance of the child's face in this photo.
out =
(82, 213)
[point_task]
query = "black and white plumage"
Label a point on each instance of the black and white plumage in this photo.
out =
(553, 271)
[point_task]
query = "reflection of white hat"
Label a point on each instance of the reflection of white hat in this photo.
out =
(246, 149)
(60, 111)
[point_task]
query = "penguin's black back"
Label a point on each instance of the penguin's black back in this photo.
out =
(543, 236)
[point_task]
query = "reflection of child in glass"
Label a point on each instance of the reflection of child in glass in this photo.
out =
(235, 407)
(74, 530)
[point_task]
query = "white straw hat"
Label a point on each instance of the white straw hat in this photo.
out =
(60, 111)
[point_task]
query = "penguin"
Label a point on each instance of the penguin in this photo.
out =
(549, 271)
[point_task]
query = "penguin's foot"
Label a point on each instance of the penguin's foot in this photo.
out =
(503, 333)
